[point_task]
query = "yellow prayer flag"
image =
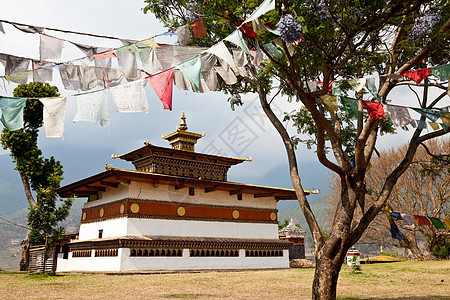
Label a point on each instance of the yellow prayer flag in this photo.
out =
(19, 77)
(446, 119)
(150, 42)
(434, 125)
(330, 102)
(447, 222)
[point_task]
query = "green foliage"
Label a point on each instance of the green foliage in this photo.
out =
(442, 248)
(43, 174)
(356, 269)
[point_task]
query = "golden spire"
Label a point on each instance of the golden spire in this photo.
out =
(183, 125)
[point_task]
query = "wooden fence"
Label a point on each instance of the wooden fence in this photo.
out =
(41, 260)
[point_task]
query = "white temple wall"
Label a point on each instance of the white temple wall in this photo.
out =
(111, 194)
(199, 263)
(201, 228)
(90, 264)
(111, 228)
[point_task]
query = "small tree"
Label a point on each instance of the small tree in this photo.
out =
(37, 173)
(424, 189)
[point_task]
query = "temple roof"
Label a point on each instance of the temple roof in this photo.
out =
(113, 177)
(150, 149)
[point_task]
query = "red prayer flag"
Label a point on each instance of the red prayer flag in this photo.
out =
(421, 220)
(162, 84)
(330, 85)
(374, 109)
(105, 54)
(247, 29)
(198, 28)
(417, 75)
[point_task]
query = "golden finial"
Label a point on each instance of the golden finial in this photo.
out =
(183, 125)
(107, 168)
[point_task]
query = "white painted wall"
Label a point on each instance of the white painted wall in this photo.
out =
(202, 263)
(111, 228)
(90, 264)
(138, 226)
(110, 195)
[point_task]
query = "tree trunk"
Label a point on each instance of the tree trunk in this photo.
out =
(326, 277)
(27, 189)
(25, 253)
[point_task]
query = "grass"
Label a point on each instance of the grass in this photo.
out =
(400, 280)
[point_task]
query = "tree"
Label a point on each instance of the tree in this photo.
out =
(424, 189)
(38, 174)
(331, 40)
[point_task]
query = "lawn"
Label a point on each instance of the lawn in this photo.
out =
(400, 280)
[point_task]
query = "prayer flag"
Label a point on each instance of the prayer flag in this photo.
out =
(446, 118)
(128, 65)
(150, 42)
(247, 29)
(130, 97)
(437, 223)
(50, 47)
(421, 124)
(330, 87)
(183, 34)
(374, 109)
(399, 115)
(350, 106)
(236, 38)
(370, 86)
(417, 75)
(395, 232)
(162, 84)
(191, 69)
(330, 102)
(12, 112)
(105, 54)
(396, 215)
(43, 71)
(357, 84)
(180, 81)
(336, 87)
(54, 114)
(21, 77)
(273, 50)
(441, 72)
(444, 126)
(70, 76)
(226, 74)
(432, 114)
(208, 72)
(240, 58)
(221, 51)
(447, 222)
(265, 7)
(408, 221)
(92, 107)
(198, 28)
(433, 125)
(132, 48)
(422, 220)
(150, 61)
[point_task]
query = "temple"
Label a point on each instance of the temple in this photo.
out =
(175, 211)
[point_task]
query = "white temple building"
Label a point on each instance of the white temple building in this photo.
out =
(176, 211)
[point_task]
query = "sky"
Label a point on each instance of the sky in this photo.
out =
(245, 132)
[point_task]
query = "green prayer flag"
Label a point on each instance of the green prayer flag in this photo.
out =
(336, 87)
(12, 112)
(350, 106)
(441, 72)
(444, 126)
(236, 38)
(273, 50)
(130, 48)
(437, 223)
(370, 86)
(191, 69)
